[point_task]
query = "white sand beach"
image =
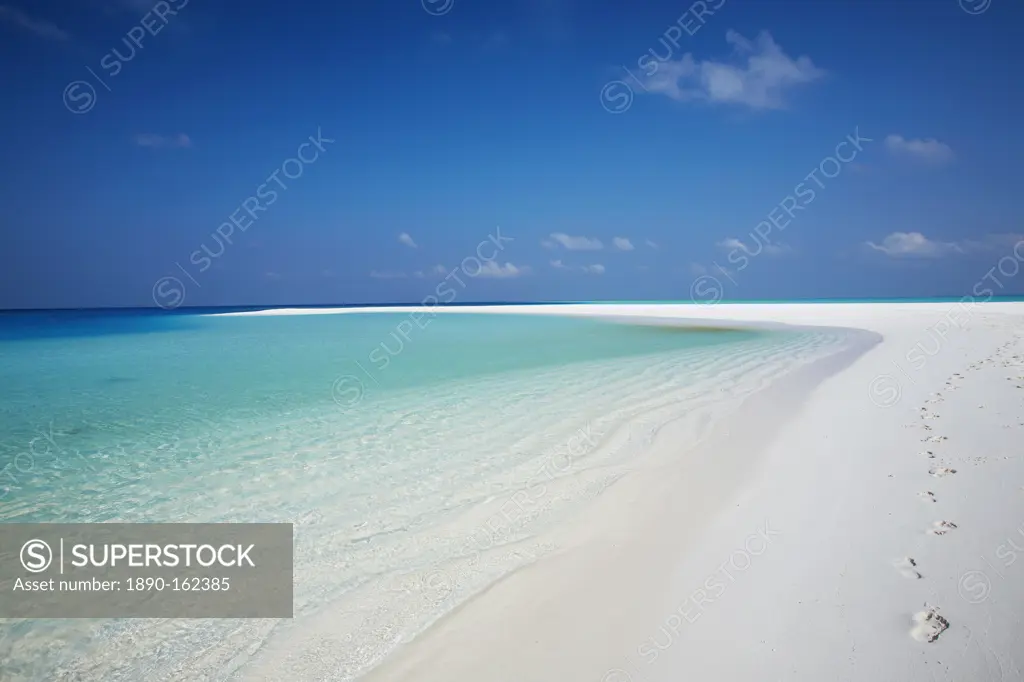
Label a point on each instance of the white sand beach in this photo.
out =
(861, 519)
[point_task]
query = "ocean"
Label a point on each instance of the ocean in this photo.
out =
(391, 441)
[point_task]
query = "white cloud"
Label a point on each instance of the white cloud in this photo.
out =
(930, 150)
(596, 269)
(40, 27)
(490, 269)
(622, 244)
(733, 244)
(572, 243)
(916, 245)
(758, 80)
(696, 269)
(436, 270)
(913, 245)
(651, 244)
(404, 238)
(494, 270)
(163, 141)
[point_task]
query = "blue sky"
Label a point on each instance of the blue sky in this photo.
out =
(363, 152)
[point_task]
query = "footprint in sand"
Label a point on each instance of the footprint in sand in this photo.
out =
(927, 496)
(934, 439)
(939, 472)
(906, 568)
(941, 527)
(928, 625)
(929, 454)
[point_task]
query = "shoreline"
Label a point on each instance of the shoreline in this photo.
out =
(644, 505)
(841, 491)
(843, 499)
(740, 375)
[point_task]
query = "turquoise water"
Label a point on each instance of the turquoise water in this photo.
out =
(387, 440)
(115, 398)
